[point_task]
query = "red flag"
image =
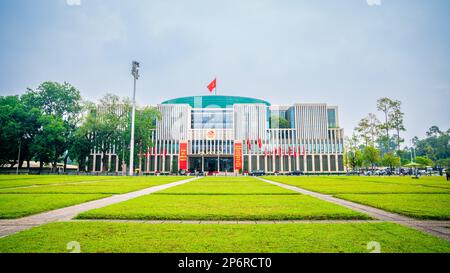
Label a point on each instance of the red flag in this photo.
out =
(275, 151)
(249, 145)
(295, 152)
(260, 143)
(212, 85)
(165, 152)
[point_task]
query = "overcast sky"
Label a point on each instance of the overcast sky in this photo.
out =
(346, 53)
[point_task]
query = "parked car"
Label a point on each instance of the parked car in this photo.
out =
(297, 173)
(257, 173)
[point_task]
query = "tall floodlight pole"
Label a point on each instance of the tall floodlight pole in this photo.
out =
(135, 73)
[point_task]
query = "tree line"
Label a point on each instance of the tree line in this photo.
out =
(52, 124)
(377, 141)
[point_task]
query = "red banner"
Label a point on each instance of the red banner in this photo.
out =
(238, 155)
(183, 155)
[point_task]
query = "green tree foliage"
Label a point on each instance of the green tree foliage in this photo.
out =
(371, 156)
(391, 160)
(354, 159)
(60, 103)
(424, 161)
(49, 143)
(18, 125)
(106, 124)
(435, 146)
(368, 129)
(393, 119)
(144, 123)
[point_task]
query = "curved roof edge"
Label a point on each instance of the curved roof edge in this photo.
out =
(215, 101)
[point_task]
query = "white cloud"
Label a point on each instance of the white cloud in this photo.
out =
(73, 2)
(374, 2)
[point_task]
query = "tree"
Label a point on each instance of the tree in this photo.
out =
(434, 131)
(106, 124)
(57, 100)
(371, 156)
(396, 117)
(424, 161)
(49, 144)
(391, 160)
(368, 129)
(435, 146)
(144, 123)
(18, 125)
(354, 159)
(386, 106)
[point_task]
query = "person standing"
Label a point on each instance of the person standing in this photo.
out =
(447, 172)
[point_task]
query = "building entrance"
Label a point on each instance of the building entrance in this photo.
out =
(210, 164)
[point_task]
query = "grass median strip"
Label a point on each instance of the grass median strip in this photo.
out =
(115, 186)
(20, 202)
(223, 207)
(427, 198)
(232, 198)
(361, 185)
(14, 206)
(103, 237)
(420, 206)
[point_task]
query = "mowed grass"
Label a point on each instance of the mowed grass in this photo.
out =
(43, 193)
(103, 237)
(420, 206)
(219, 198)
(19, 205)
(117, 185)
(426, 198)
(361, 185)
(13, 181)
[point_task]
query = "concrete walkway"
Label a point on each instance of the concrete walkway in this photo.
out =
(8, 227)
(437, 228)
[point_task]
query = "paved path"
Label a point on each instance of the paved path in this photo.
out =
(437, 228)
(8, 227)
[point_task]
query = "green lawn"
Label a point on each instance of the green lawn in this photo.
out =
(227, 186)
(12, 181)
(44, 195)
(114, 186)
(20, 205)
(359, 185)
(219, 198)
(99, 237)
(421, 206)
(425, 198)
(223, 207)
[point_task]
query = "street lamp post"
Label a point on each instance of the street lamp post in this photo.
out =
(135, 73)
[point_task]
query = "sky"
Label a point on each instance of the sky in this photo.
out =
(347, 53)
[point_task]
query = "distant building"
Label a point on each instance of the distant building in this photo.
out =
(232, 134)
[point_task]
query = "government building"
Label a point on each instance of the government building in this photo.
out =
(227, 134)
